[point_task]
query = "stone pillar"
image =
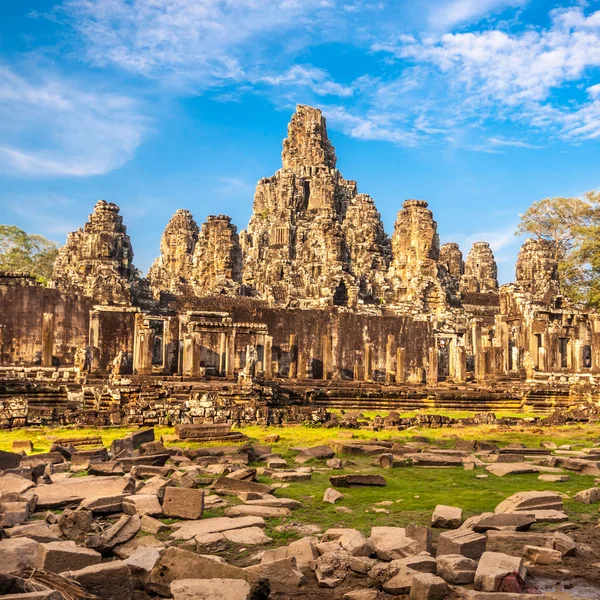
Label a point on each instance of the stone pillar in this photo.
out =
(432, 367)
(142, 359)
(480, 364)
(389, 358)
(230, 358)
(187, 361)
(595, 344)
(542, 359)
(327, 357)
(502, 335)
(401, 365)
(95, 341)
(293, 356)
(268, 357)
(223, 354)
(460, 374)
(356, 372)
(47, 339)
(301, 365)
(368, 362)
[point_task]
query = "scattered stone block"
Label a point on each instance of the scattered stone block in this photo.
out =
(542, 556)
(190, 529)
(121, 532)
(57, 557)
(17, 554)
(456, 569)
(22, 446)
(106, 580)
(152, 525)
(142, 504)
(226, 485)
(176, 564)
(493, 567)
(426, 586)
(183, 503)
(74, 523)
(210, 589)
(332, 496)
(446, 517)
(249, 510)
(462, 541)
(390, 543)
(357, 480)
(248, 536)
(283, 574)
(589, 496)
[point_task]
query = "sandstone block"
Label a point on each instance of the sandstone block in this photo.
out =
(456, 569)
(426, 586)
(493, 567)
(446, 517)
(183, 503)
(57, 557)
(109, 581)
(210, 589)
(462, 541)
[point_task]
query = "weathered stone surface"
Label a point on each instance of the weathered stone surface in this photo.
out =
(517, 521)
(66, 556)
(531, 502)
(97, 259)
(190, 529)
(110, 580)
(19, 553)
(456, 569)
(74, 523)
(142, 504)
(462, 541)
(426, 586)
(14, 484)
(352, 479)
(446, 517)
(183, 503)
(210, 589)
(248, 536)
(391, 543)
(9, 460)
(76, 489)
(492, 567)
(121, 532)
(283, 575)
(481, 271)
(332, 496)
(226, 485)
(540, 555)
(247, 510)
(176, 564)
(589, 496)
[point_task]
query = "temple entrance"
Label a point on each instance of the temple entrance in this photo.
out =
(158, 348)
(563, 348)
(340, 297)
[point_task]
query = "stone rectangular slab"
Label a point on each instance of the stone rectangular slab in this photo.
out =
(190, 529)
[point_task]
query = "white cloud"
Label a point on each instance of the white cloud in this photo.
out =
(51, 127)
(204, 42)
(457, 12)
(494, 74)
(498, 141)
(307, 76)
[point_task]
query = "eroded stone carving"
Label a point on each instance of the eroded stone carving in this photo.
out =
(481, 271)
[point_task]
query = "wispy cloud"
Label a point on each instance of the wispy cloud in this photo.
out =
(307, 76)
(498, 141)
(185, 41)
(448, 14)
(51, 127)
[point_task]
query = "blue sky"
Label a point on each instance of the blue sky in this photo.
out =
(481, 107)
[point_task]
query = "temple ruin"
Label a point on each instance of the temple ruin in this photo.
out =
(311, 306)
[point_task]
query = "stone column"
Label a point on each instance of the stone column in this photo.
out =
(356, 372)
(230, 358)
(476, 336)
(301, 365)
(95, 341)
(327, 357)
(196, 353)
(268, 357)
(187, 361)
(47, 339)
(480, 364)
(401, 365)
(542, 359)
(293, 356)
(502, 335)
(461, 365)
(389, 358)
(595, 344)
(368, 361)
(142, 359)
(432, 367)
(223, 354)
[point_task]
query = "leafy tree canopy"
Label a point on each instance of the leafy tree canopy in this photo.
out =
(27, 253)
(572, 226)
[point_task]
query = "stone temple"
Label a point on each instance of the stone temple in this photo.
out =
(311, 306)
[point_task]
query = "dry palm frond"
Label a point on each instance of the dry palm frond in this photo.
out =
(39, 581)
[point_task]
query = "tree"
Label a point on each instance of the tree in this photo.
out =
(32, 254)
(571, 225)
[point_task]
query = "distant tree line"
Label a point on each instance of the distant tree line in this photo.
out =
(26, 253)
(572, 226)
